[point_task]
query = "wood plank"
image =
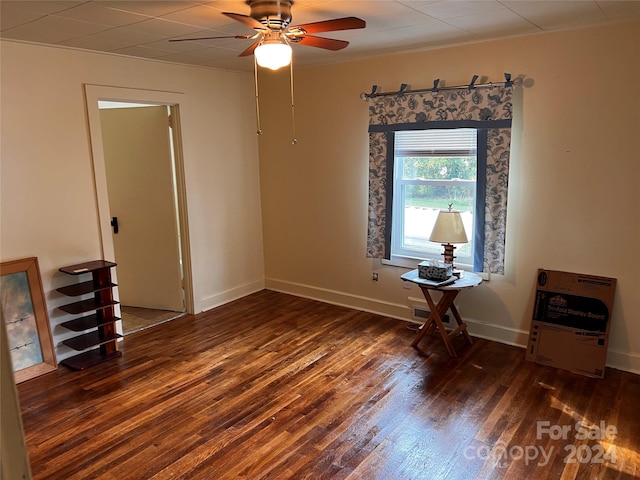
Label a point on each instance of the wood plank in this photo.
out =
(272, 386)
(91, 339)
(86, 323)
(88, 305)
(89, 359)
(77, 289)
(87, 267)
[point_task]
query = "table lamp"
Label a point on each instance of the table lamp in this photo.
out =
(448, 230)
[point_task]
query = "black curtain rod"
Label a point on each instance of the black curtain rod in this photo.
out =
(471, 86)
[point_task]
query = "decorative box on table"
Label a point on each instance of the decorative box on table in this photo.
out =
(430, 271)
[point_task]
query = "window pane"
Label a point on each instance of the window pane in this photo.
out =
(434, 169)
(439, 168)
(421, 206)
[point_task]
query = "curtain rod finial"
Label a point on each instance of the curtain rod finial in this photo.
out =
(374, 89)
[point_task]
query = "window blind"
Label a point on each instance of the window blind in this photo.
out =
(437, 142)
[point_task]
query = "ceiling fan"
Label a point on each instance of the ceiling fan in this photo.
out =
(271, 20)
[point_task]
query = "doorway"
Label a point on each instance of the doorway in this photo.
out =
(141, 202)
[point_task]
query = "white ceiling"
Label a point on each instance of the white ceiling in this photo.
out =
(141, 28)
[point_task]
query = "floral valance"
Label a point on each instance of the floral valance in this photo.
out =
(441, 106)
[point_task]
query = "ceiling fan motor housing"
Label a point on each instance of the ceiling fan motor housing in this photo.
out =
(274, 14)
(270, 20)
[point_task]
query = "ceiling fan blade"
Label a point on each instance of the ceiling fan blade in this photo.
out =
(247, 20)
(322, 42)
(209, 38)
(346, 23)
(249, 50)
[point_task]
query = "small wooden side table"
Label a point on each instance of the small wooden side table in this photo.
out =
(449, 293)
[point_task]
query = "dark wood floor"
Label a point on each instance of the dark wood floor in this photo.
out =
(278, 387)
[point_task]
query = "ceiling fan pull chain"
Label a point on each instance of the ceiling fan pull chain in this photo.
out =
(293, 115)
(255, 79)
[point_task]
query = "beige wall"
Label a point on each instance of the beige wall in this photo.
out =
(48, 204)
(574, 201)
(573, 178)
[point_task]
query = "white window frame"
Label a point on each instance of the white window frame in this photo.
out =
(404, 257)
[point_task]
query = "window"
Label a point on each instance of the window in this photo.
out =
(432, 169)
(411, 121)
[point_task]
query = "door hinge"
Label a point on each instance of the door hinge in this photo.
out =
(170, 118)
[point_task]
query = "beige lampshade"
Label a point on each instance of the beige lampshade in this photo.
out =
(449, 228)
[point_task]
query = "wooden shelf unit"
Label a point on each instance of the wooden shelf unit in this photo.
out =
(103, 321)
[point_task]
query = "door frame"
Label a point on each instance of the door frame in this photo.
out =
(95, 93)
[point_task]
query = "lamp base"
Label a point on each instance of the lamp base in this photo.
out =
(448, 254)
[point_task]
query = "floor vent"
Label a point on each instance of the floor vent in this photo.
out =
(420, 313)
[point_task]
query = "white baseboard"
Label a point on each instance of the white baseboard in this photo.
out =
(497, 333)
(220, 298)
(341, 299)
(628, 362)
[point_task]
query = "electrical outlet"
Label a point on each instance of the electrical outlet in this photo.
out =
(374, 276)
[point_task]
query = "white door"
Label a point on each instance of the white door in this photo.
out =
(141, 190)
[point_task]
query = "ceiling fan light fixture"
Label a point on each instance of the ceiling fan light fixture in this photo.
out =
(273, 54)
